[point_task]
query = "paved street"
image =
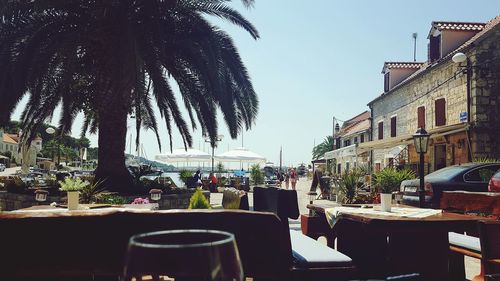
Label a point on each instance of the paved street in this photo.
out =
(10, 171)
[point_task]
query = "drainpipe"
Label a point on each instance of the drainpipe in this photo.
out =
(469, 76)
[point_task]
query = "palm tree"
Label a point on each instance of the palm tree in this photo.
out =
(109, 59)
(320, 149)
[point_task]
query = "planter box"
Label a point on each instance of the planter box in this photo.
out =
(12, 201)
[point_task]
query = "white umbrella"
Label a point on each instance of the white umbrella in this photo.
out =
(182, 155)
(240, 154)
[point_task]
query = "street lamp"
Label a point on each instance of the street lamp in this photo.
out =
(217, 139)
(312, 195)
(51, 131)
(460, 58)
(421, 141)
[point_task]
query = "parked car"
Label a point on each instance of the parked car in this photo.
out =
(2, 167)
(467, 177)
(494, 185)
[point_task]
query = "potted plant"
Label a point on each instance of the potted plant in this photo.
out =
(73, 187)
(387, 181)
(199, 201)
(348, 186)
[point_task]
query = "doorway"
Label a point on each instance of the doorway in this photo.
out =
(439, 156)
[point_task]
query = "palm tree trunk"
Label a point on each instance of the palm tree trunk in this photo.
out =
(112, 137)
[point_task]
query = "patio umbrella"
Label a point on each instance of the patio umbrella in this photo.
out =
(182, 155)
(240, 154)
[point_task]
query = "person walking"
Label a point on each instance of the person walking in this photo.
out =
(213, 182)
(287, 179)
(279, 178)
(294, 178)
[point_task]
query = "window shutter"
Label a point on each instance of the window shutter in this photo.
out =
(393, 126)
(435, 48)
(362, 138)
(440, 105)
(381, 130)
(421, 117)
(386, 82)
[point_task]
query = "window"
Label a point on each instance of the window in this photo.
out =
(440, 108)
(355, 139)
(380, 130)
(482, 174)
(362, 138)
(386, 82)
(377, 167)
(421, 117)
(347, 143)
(393, 126)
(435, 48)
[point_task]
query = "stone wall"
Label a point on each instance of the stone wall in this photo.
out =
(12, 201)
(485, 94)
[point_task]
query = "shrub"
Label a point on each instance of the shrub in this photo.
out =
(198, 200)
(389, 180)
(113, 199)
(91, 192)
(15, 185)
(256, 174)
(222, 182)
(349, 184)
(185, 175)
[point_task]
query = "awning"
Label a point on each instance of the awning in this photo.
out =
(407, 139)
(348, 151)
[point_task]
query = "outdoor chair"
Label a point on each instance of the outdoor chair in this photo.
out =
(489, 233)
(50, 246)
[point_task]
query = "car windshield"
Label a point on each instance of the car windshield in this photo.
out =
(446, 173)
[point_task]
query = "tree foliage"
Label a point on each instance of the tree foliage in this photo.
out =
(320, 149)
(109, 59)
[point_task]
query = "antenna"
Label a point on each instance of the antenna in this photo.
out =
(414, 35)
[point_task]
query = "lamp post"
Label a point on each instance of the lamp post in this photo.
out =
(51, 131)
(421, 141)
(312, 195)
(217, 139)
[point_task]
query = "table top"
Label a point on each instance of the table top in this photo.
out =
(84, 210)
(372, 218)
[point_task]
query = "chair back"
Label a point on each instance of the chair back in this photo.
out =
(76, 244)
(489, 234)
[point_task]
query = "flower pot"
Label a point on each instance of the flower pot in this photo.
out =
(385, 202)
(73, 197)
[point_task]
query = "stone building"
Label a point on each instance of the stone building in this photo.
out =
(458, 103)
(10, 143)
(353, 132)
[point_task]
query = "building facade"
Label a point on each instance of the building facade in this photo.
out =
(458, 103)
(345, 155)
(10, 143)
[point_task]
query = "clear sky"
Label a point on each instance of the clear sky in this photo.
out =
(319, 59)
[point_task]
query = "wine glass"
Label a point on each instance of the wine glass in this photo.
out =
(206, 255)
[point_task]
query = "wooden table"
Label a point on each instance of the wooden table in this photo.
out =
(384, 245)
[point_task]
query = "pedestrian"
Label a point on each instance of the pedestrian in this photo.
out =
(294, 178)
(279, 178)
(195, 179)
(213, 182)
(287, 179)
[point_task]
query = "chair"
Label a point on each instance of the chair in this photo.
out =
(489, 233)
